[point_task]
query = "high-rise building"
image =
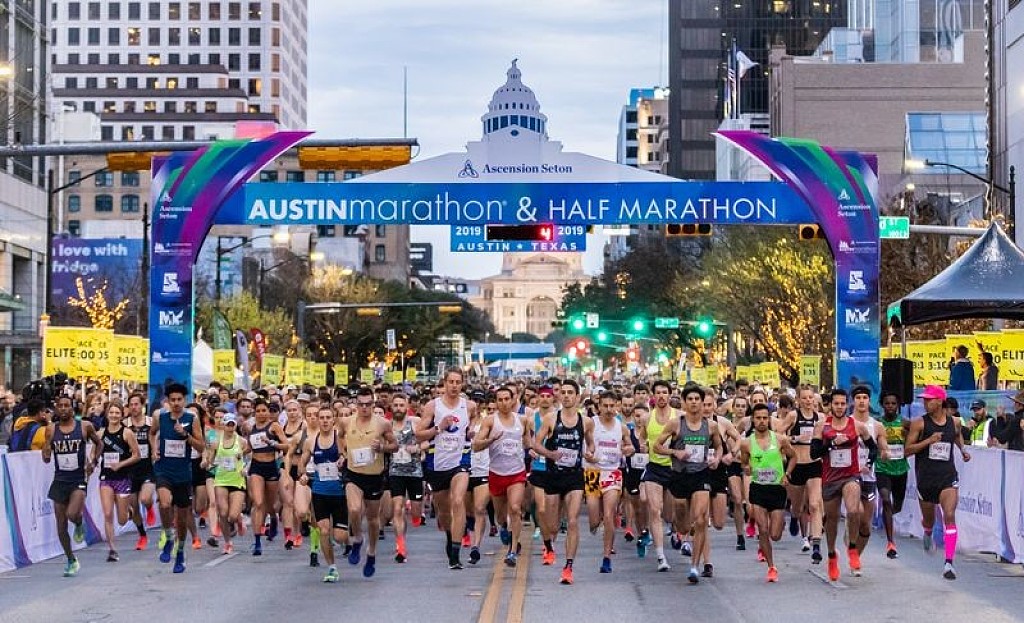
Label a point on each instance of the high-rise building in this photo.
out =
(1005, 99)
(23, 112)
(701, 36)
(640, 129)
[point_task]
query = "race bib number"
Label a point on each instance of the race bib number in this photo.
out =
(862, 456)
(258, 441)
(361, 457)
(67, 462)
(840, 457)
(144, 451)
(609, 457)
(806, 433)
(896, 452)
(610, 479)
(226, 463)
(327, 471)
(109, 458)
(510, 447)
(567, 457)
(639, 461)
(449, 443)
(766, 476)
(695, 453)
(401, 457)
(174, 448)
(939, 451)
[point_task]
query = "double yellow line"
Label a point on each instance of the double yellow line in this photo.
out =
(495, 591)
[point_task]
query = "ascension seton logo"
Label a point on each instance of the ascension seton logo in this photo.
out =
(468, 170)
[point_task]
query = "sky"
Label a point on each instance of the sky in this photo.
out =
(581, 58)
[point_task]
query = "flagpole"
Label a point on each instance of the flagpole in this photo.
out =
(736, 72)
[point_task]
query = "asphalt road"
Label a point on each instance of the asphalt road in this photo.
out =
(280, 586)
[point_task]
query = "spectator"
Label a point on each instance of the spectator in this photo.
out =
(1011, 434)
(976, 429)
(6, 416)
(30, 429)
(961, 372)
(989, 379)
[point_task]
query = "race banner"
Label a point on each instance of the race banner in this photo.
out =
(260, 344)
(79, 352)
(366, 376)
(1010, 356)
(270, 371)
(294, 371)
(317, 374)
(341, 374)
(810, 370)
(242, 346)
(224, 367)
(131, 358)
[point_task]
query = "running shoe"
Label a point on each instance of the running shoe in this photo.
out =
(400, 556)
(693, 576)
(833, 567)
(548, 558)
(816, 555)
(196, 543)
(455, 565)
(806, 546)
(150, 517)
(641, 548)
(370, 567)
(948, 571)
(466, 541)
(80, 531)
(663, 565)
(380, 535)
(750, 529)
(760, 555)
(229, 548)
(257, 549)
(474, 555)
(332, 575)
(510, 559)
(686, 549)
(506, 536)
(271, 532)
(536, 534)
(741, 543)
(113, 557)
(202, 521)
(629, 536)
(179, 562)
(676, 542)
(314, 559)
(890, 551)
(212, 541)
(142, 543)
(165, 549)
(854, 561)
(304, 529)
(645, 536)
(606, 565)
(566, 576)
(71, 568)
(493, 532)
(298, 541)
(709, 571)
(353, 556)
(794, 526)
(926, 540)
(289, 544)
(773, 575)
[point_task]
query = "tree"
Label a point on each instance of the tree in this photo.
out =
(243, 312)
(97, 309)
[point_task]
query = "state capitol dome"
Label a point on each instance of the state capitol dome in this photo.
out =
(514, 110)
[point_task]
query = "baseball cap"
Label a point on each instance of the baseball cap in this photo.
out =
(303, 397)
(290, 388)
(978, 404)
(933, 392)
(229, 418)
(1019, 397)
(546, 389)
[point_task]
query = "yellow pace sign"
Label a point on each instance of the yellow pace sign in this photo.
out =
(79, 352)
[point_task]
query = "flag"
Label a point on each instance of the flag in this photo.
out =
(744, 63)
(242, 346)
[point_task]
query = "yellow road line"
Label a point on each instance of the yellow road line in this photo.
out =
(489, 608)
(515, 605)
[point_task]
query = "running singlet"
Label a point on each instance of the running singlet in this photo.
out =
(361, 458)
(403, 462)
(802, 430)
(935, 462)
(262, 441)
(174, 464)
(840, 462)
(506, 453)
(115, 450)
(69, 453)
(653, 432)
(863, 454)
(897, 464)
(449, 442)
(766, 464)
(479, 462)
(697, 444)
(608, 445)
(568, 443)
(539, 464)
(632, 464)
(326, 475)
(142, 438)
(229, 464)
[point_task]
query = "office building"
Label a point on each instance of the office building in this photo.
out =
(1005, 111)
(701, 35)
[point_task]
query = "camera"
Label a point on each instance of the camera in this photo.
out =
(46, 389)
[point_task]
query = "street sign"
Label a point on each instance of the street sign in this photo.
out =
(474, 238)
(593, 320)
(389, 337)
(897, 227)
(666, 323)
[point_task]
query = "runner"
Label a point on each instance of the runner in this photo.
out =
(405, 474)
(565, 439)
(174, 432)
(479, 496)
(227, 456)
(329, 508)
(738, 414)
(142, 474)
(612, 443)
(444, 423)
(719, 506)
(294, 430)
(892, 474)
(692, 438)
(762, 457)
(932, 437)
(658, 473)
(635, 505)
(504, 435)
(120, 453)
(66, 438)
(835, 441)
(367, 437)
(538, 476)
(868, 484)
(806, 508)
(200, 495)
(266, 439)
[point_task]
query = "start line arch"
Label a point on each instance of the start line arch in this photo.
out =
(505, 179)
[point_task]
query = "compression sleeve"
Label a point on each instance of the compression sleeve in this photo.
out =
(817, 448)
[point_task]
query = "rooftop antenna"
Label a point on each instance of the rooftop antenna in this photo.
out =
(405, 101)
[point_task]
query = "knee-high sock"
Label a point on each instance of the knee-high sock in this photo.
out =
(950, 542)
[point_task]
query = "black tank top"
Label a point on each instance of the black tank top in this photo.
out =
(568, 441)
(799, 424)
(936, 460)
(114, 443)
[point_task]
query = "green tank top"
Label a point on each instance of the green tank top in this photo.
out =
(229, 464)
(653, 432)
(897, 464)
(766, 464)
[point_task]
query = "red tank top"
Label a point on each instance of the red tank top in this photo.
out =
(840, 462)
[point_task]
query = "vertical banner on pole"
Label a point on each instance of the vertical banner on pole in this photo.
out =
(810, 370)
(270, 372)
(224, 367)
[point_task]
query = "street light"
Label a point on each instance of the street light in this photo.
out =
(1010, 189)
(279, 237)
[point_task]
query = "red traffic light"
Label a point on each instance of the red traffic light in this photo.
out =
(632, 355)
(581, 345)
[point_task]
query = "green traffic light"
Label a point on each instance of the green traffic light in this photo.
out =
(639, 326)
(705, 328)
(578, 324)
(662, 357)
(602, 336)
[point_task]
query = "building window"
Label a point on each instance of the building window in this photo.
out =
(255, 86)
(214, 9)
(154, 10)
(174, 10)
(147, 133)
(89, 106)
(188, 133)
(134, 59)
(167, 133)
(130, 178)
(268, 176)
(154, 36)
(213, 36)
(234, 84)
(254, 62)
(275, 37)
(350, 175)
(172, 82)
(110, 107)
(379, 253)
(74, 203)
(75, 227)
(631, 152)
(134, 10)
(254, 36)
(149, 106)
(127, 133)
(94, 10)
(325, 176)
(74, 10)
(234, 62)
(113, 59)
(275, 11)
(379, 231)
(70, 83)
(105, 179)
(129, 203)
(94, 59)
(295, 176)
(631, 134)
(190, 107)
(104, 203)
(234, 11)
(195, 59)
(73, 59)
(195, 36)
(325, 231)
(210, 107)
(171, 106)
(255, 11)
(134, 38)
(74, 175)
(73, 36)
(234, 36)
(131, 83)
(173, 36)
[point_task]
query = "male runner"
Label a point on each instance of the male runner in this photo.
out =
(769, 459)
(868, 484)
(538, 475)
(835, 441)
(565, 439)
(658, 473)
(892, 473)
(445, 423)
(405, 475)
(175, 431)
(66, 439)
(142, 474)
(805, 485)
(719, 476)
(931, 438)
(612, 443)
(635, 507)
(328, 493)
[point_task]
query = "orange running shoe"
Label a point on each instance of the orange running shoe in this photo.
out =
(465, 541)
(773, 574)
(150, 517)
(566, 576)
(215, 528)
(833, 567)
(854, 561)
(298, 540)
(196, 543)
(549, 557)
(142, 543)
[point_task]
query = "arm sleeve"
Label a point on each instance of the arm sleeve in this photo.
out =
(817, 448)
(872, 447)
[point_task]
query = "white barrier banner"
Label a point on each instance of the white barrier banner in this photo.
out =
(979, 514)
(1014, 513)
(908, 521)
(6, 526)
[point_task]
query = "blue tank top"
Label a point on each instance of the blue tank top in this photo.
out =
(328, 457)
(539, 464)
(175, 464)
(69, 454)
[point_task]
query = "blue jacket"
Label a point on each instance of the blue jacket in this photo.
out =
(961, 376)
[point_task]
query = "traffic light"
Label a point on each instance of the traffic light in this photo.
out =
(577, 323)
(638, 325)
(662, 357)
(602, 337)
(704, 328)
(688, 229)
(580, 345)
(633, 354)
(811, 232)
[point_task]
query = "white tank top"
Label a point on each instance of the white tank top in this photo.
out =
(507, 455)
(866, 475)
(480, 462)
(608, 445)
(449, 443)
